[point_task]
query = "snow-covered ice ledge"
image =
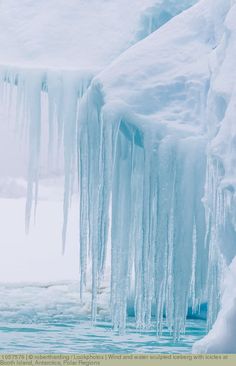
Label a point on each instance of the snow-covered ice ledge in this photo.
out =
(155, 138)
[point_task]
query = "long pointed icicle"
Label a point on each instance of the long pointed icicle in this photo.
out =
(33, 86)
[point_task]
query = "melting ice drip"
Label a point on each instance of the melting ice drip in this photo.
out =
(141, 209)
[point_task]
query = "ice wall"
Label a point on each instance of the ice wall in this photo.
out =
(220, 190)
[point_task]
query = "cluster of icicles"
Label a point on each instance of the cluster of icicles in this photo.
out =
(141, 207)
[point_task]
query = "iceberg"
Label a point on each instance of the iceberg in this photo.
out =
(147, 127)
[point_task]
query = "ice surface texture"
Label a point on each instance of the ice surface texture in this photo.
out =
(152, 137)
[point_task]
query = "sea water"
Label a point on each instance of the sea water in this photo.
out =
(49, 318)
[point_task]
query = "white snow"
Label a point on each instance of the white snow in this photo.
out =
(68, 34)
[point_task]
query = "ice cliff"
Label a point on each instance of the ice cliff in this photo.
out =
(144, 103)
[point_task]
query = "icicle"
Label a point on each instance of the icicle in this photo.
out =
(94, 192)
(53, 89)
(33, 86)
(214, 210)
(163, 240)
(65, 91)
(69, 110)
(201, 248)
